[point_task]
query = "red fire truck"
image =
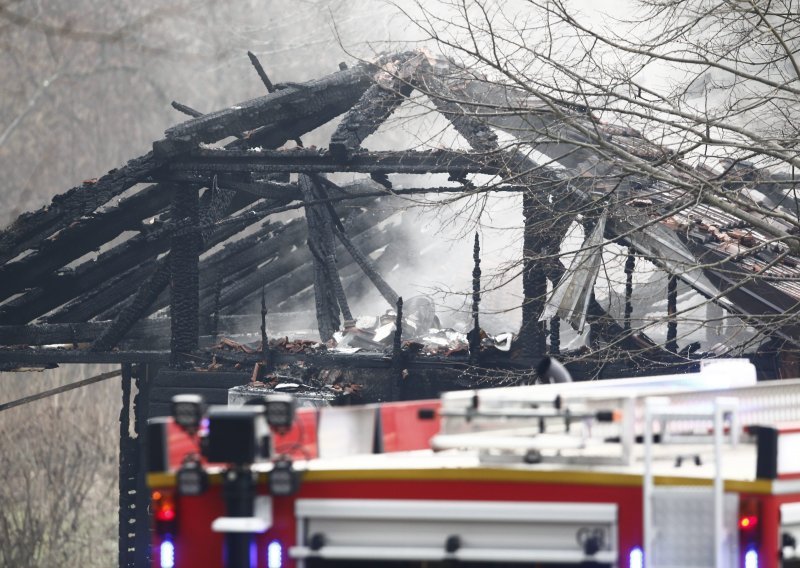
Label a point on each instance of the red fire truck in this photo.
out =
(694, 470)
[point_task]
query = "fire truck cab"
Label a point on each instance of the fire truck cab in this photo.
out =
(693, 470)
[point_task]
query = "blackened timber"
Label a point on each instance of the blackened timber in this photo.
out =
(48, 334)
(534, 281)
(555, 335)
(367, 266)
(137, 307)
(397, 351)
(630, 265)
(323, 99)
(261, 73)
(66, 285)
(374, 106)
(351, 274)
(264, 341)
(236, 260)
(141, 411)
(280, 275)
(320, 243)
(211, 161)
(672, 310)
(475, 335)
(184, 275)
(128, 466)
(265, 189)
(44, 356)
(283, 285)
(148, 334)
(30, 229)
(82, 236)
(186, 109)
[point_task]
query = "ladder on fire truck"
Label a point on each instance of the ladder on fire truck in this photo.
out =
(687, 415)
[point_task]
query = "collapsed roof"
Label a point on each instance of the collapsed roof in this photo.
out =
(200, 221)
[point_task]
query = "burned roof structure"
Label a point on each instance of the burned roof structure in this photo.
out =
(189, 230)
(157, 264)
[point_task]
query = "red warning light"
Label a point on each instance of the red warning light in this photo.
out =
(748, 523)
(163, 506)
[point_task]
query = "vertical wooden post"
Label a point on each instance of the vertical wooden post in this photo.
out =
(534, 283)
(397, 353)
(141, 413)
(555, 335)
(128, 464)
(475, 335)
(630, 265)
(184, 273)
(672, 309)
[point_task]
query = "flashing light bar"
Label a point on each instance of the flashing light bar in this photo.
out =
(636, 558)
(275, 554)
(167, 554)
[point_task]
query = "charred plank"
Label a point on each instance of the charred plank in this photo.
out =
(184, 272)
(30, 229)
(82, 236)
(374, 107)
(210, 161)
(277, 112)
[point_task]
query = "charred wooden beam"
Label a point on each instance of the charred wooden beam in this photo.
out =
(264, 189)
(45, 356)
(82, 236)
(136, 308)
(64, 286)
(184, 275)
(351, 274)
(630, 265)
(264, 340)
(128, 466)
(374, 107)
(30, 229)
(218, 202)
(328, 292)
(50, 334)
(209, 161)
(289, 274)
(672, 310)
(145, 334)
(475, 334)
(398, 361)
(366, 264)
(367, 267)
(261, 73)
(186, 109)
(534, 281)
(555, 335)
(265, 79)
(276, 112)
